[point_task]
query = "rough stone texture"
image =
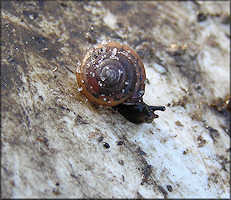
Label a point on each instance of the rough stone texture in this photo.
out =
(53, 141)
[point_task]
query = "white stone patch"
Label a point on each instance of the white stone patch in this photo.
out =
(159, 68)
(110, 20)
(159, 91)
(64, 37)
(65, 50)
(210, 64)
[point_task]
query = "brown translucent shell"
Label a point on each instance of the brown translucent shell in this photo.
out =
(111, 73)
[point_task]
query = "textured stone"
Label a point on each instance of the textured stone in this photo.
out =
(53, 140)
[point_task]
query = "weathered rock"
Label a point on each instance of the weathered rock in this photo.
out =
(53, 141)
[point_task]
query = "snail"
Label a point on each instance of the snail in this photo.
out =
(112, 74)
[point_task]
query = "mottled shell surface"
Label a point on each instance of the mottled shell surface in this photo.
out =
(111, 73)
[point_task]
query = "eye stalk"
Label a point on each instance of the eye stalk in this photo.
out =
(139, 112)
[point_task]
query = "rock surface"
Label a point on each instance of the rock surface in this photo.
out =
(55, 144)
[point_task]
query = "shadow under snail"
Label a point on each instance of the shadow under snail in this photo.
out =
(112, 74)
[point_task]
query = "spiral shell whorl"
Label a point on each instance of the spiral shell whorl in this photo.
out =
(111, 73)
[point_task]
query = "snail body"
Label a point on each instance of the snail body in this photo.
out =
(112, 74)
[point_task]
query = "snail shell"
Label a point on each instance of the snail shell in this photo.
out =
(111, 73)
